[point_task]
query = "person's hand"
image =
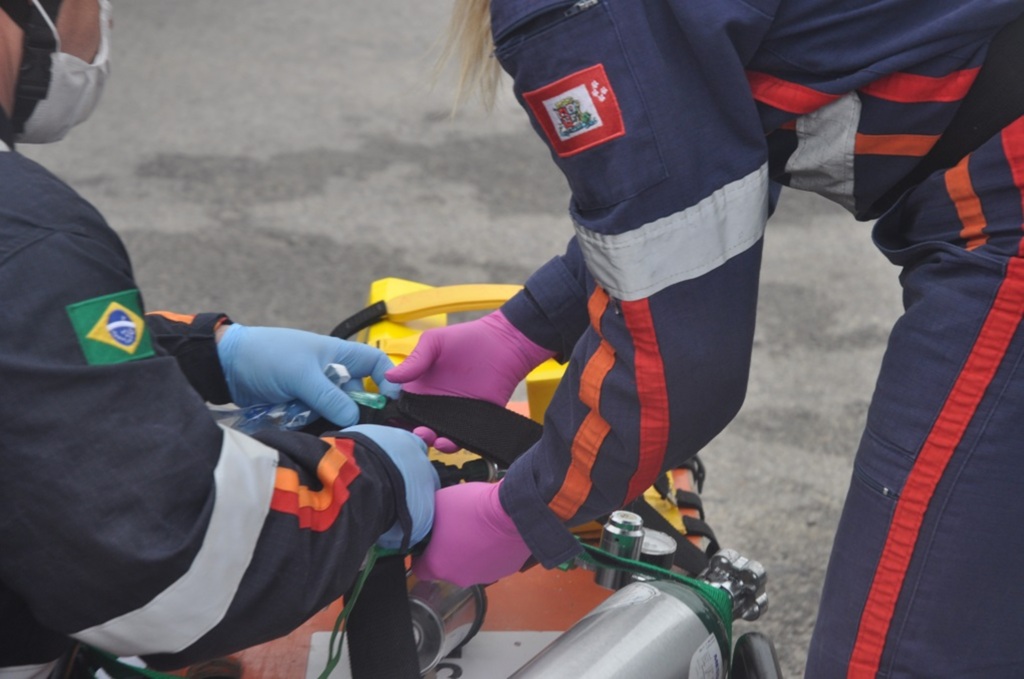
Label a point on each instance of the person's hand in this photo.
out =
(276, 365)
(408, 452)
(474, 541)
(483, 359)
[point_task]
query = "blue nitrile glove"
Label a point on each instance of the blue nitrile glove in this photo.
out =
(408, 452)
(276, 365)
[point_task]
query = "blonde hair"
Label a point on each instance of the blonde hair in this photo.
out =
(469, 42)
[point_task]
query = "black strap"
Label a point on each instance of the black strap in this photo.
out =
(491, 431)
(36, 63)
(664, 488)
(360, 320)
(696, 467)
(754, 657)
(700, 527)
(685, 499)
(994, 101)
(379, 627)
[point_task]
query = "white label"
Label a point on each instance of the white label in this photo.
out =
(707, 661)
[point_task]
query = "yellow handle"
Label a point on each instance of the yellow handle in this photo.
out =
(448, 299)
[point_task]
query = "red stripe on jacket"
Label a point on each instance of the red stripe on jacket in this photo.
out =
(908, 88)
(787, 96)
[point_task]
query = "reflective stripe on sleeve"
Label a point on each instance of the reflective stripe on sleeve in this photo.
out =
(682, 246)
(27, 671)
(198, 600)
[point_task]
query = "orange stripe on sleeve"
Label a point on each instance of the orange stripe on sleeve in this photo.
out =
(653, 394)
(587, 442)
(787, 96)
(592, 432)
(318, 509)
(967, 204)
(171, 316)
(895, 144)
(907, 88)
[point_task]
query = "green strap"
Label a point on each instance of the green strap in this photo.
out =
(718, 598)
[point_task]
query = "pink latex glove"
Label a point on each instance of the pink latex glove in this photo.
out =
(473, 541)
(483, 359)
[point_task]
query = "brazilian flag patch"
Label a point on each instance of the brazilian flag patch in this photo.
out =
(110, 329)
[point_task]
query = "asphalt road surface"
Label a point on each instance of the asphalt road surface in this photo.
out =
(272, 159)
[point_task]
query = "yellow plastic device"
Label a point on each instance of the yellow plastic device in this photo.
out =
(415, 307)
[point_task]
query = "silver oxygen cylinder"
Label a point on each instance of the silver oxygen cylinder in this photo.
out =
(622, 535)
(656, 630)
(444, 617)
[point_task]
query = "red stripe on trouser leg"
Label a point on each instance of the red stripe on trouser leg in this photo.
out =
(957, 412)
(652, 392)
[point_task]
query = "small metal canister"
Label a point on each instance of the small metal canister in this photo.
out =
(444, 617)
(623, 535)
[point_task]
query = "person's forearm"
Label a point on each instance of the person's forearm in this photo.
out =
(552, 308)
